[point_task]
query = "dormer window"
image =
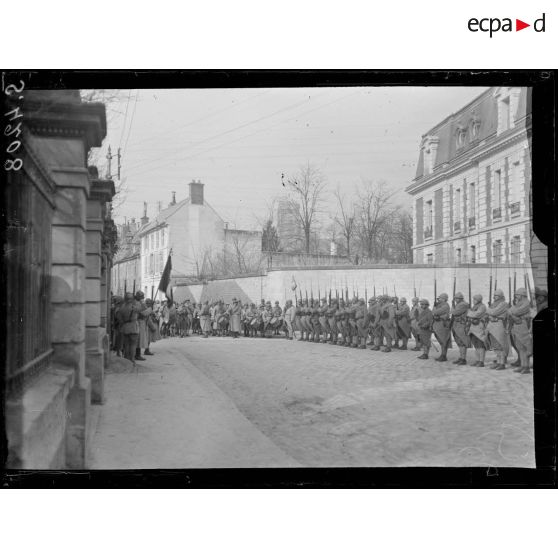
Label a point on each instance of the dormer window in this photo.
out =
(429, 150)
(460, 137)
(507, 99)
(474, 129)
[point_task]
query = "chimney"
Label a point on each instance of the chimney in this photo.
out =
(173, 202)
(145, 218)
(196, 192)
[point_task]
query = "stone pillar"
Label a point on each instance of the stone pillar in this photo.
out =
(96, 339)
(62, 130)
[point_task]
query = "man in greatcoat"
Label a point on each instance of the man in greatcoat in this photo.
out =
(128, 317)
(497, 330)
(142, 324)
(205, 319)
(387, 322)
(424, 327)
(315, 321)
(476, 318)
(374, 323)
(441, 325)
(403, 321)
(340, 322)
(332, 325)
(361, 323)
(415, 310)
(235, 310)
(289, 316)
(459, 327)
(324, 323)
(520, 317)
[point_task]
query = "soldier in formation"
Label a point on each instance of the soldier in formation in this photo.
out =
(386, 323)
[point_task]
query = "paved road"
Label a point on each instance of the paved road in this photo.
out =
(221, 402)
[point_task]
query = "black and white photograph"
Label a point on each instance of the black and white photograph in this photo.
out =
(225, 276)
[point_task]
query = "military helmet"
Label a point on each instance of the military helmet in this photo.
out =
(443, 296)
(139, 295)
(521, 292)
(477, 298)
(458, 296)
(424, 301)
(499, 292)
(541, 292)
(403, 299)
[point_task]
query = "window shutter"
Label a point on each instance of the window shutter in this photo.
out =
(438, 214)
(450, 210)
(464, 212)
(420, 221)
(506, 189)
(488, 200)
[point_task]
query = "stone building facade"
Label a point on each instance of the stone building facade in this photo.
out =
(126, 270)
(59, 251)
(471, 192)
(200, 240)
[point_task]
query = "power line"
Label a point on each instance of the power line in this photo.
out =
(256, 132)
(174, 152)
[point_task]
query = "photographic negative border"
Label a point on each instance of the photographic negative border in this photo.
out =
(544, 225)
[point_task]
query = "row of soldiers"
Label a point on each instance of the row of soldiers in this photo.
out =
(389, 323)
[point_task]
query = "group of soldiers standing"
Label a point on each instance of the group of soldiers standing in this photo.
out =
(385, 324)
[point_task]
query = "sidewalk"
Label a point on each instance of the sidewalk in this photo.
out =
(167, 414)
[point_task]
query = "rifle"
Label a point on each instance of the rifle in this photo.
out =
(453, 294)
(152, 288)
(374, 291)
(125, 287)
(330, 297)
(509, 288)
(134, 288)
(470, 298)
(514, 281)
(435, 292)
(490, 290)
(528, 286)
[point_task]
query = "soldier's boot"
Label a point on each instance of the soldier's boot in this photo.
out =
(404, 345)
(444, 356)
(387, 348)
(138, 354)
(425, 351)
(524, 358)
(355, 342)
(501, 365)
(461, 358)
(481, 355)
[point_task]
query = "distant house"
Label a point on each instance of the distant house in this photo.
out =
(200, 240)
(471, 192)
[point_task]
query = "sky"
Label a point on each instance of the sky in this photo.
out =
(239, 142)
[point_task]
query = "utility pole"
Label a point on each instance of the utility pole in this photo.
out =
(109, 159)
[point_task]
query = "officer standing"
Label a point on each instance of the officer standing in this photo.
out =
(415, 310)
(128, 317)
(459, 327)
(387, 323)
(361, 323)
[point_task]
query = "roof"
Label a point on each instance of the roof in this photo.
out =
(162, 217)
(483, 109)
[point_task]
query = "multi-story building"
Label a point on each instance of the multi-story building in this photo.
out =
(200, 240)
(471, 192)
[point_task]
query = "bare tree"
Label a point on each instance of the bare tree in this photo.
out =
(305, 191)
(374, 213)
(402, 236)
(345, 219)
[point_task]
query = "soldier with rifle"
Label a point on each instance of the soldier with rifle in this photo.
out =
(340, 322)
(520, 318)
(415, 310)
(476, 321)
(497, 330)
(459, 327)
(360, 317)
(374, 323)
(315, 321)
(441, 325)
(387, 322)
(424, 326)
(332, 325)
(324, 323)
(403, 320)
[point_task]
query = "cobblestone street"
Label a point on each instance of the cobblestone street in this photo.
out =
(221, 402)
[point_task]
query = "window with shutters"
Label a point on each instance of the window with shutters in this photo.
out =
(472, 205)
(497, 252)
(515, 250)
(458, 256)
(497, 194)
(473, 254)
(430, 258)
(428, 220)
(457, 211)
